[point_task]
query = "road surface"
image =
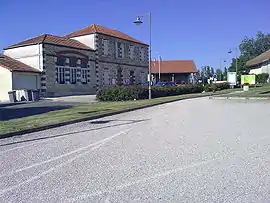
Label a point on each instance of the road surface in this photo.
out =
(197, 150)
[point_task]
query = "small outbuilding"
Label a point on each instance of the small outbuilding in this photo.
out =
(15, 75)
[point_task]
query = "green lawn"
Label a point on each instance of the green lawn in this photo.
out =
(84, 111)
(253, 92)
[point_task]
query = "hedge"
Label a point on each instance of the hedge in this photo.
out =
(262, 78)
(216, 87)
(123, 93)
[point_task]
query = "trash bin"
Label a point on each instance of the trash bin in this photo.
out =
(28, 95)
(35, 95)
(12, 96)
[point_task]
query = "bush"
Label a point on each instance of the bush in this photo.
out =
(121, 93)
(216, 87)
(262, 78)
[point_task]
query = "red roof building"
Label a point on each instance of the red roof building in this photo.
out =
(180, 71)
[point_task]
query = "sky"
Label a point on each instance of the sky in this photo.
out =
(199, 30)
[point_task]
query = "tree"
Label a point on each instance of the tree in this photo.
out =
(212, 71)
(252, 47)
(208, 71)
(241, 65)
(225, 74)
(219, 74)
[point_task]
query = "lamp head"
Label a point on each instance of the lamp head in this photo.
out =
(138, 21)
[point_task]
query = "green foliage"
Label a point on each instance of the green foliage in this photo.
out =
(262, 78)
(216, 87)
(121, 93)
(219, 74)
(252, 47)
(241, 65)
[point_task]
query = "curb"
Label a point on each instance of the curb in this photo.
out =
(22, 132)
(240, 98)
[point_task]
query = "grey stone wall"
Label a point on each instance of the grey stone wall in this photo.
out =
(111, 63)
(140, 74)
(50, 87)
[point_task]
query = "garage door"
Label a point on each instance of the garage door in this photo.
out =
(23, 81)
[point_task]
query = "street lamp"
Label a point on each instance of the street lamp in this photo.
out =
(138, 21)
(236, 61)
(220, 65)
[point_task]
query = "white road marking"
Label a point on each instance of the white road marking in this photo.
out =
(102, 142)
(155, 176)
(64, 155)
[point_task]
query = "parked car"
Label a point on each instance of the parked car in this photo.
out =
(165, 84)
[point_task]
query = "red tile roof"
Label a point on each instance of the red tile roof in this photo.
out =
(51, 39)
(103, 30)
(15, 65)
(174, 66)
(259, 59)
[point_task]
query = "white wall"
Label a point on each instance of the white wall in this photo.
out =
(5, 83)
(88, 40)
(30, 55)
(24, 80)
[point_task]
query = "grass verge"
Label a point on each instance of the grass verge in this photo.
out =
(253, 92)
(86, 111)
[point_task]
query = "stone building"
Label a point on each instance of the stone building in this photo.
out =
(83, 61)
(120, 59)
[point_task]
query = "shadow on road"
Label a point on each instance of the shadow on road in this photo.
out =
(13, 113)
(128, 122)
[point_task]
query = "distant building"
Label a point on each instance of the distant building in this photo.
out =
(179, 71)
(15, 75)
(81, 62)
(260, 64)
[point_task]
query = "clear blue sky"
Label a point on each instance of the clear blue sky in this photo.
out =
(192, 29)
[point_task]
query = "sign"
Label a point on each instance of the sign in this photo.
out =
(250, 79)
(231, 78)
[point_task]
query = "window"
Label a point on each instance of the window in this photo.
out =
(61, 60)
(105, 47)
(131, 77)
(60, 75)
(73, 61)
(141, 53)
(119, 50)
(84, 76)
(73, 75)
(106, 77)
(84, 63)
(131, 51)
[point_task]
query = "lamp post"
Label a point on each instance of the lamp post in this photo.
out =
(220, 65)
(236, 61)
(138, 22)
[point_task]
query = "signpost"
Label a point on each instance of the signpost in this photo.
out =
(231, 78)
(250, 79)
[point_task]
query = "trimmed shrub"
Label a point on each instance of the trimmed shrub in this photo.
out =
(122, 93)
(216, 87)
(262, 78)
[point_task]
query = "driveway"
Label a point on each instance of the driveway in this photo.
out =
(197, 150)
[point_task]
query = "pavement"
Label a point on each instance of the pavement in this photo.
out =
(197, 150)
(16, 110)
(75, 98)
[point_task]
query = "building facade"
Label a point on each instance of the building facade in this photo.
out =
(16, 75)
(120, 59)
(177, 71)
(260, 64)
(83, 61)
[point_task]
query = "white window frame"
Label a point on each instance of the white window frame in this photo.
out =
(142, 52)
(105, 44)
(61, 75)
(73, 75)
(84, 76)
(131, 51)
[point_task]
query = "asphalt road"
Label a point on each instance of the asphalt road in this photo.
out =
(197, 150)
